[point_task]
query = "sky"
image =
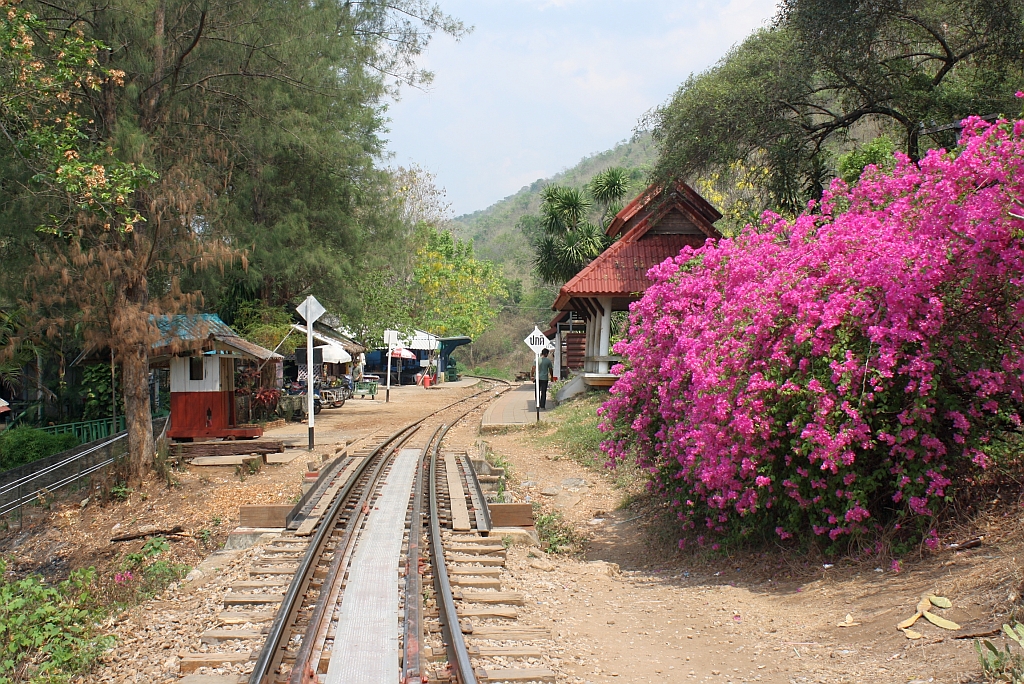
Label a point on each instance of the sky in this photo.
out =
(540, 84)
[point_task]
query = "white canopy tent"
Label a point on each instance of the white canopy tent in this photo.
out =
(331, 350)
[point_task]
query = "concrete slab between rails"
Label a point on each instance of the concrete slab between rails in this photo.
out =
(245, 537)
(513, 409)
(521, 536)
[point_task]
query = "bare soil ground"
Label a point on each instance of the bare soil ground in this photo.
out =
(665, 617)
(769, 617)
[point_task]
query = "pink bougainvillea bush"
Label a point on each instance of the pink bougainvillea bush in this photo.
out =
(842, 373)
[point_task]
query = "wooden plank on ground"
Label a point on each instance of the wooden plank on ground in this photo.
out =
(216, 636)
(511, 633)
(512, 598)
(511, 514)
(480, 549)
(482, 560)
(456, 495)
(508, 612)
(193, 661)
(476, 582)
(264, 515)
(225, 460)
(525, 674)
(251, 599)
(306, 528)
(273, 570)
(241, 617)
(476, 571)
(242, 447)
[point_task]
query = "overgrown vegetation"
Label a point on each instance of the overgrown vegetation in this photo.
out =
(1005, 665)
(826, 76)
(49, 632)
(22, 445)
(141, 576)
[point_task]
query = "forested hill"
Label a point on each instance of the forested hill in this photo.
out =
(493, 230)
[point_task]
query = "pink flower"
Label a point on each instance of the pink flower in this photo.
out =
(857, 356)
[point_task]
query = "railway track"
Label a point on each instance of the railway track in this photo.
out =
(400, 530)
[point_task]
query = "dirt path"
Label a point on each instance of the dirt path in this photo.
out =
(769, 618)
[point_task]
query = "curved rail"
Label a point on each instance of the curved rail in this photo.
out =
(412, 632)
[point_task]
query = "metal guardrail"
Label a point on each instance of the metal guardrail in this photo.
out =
(88, 430)
(25, 484)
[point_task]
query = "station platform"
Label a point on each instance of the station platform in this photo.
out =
(514, 408)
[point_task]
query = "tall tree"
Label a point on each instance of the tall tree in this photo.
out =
(456, 294)
(262, 123)
(564, 238)
(789, 98)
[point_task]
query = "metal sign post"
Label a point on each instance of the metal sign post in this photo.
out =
(391, 340)
(537, 341)
(310, 310)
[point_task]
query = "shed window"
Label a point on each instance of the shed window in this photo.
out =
(195, 368)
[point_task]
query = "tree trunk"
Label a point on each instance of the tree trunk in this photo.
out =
(135, 371)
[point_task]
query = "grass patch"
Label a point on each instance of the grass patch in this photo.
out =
(560, 536)
(576, 433)
(491, 372)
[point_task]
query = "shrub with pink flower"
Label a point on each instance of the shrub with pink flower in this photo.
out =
(840, 372)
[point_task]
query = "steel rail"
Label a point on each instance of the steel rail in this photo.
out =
(303, 574)
(290, 603)
(485, 512)
(342, 552)
(412, 632)
(458, 655)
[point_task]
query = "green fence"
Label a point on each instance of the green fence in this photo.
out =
(87, 431)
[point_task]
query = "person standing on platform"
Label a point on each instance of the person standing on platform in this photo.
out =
(547, 373)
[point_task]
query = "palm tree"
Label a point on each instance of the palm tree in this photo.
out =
(568, 240)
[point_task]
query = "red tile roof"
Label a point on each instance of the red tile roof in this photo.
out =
(649, 199)
(622, 269)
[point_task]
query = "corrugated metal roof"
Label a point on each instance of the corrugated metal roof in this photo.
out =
(182, 329)
(191, 327)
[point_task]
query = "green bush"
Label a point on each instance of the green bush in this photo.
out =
(25, 444)
(560, 535)
(49, 633)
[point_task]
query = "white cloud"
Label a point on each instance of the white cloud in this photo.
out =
(541, 83)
